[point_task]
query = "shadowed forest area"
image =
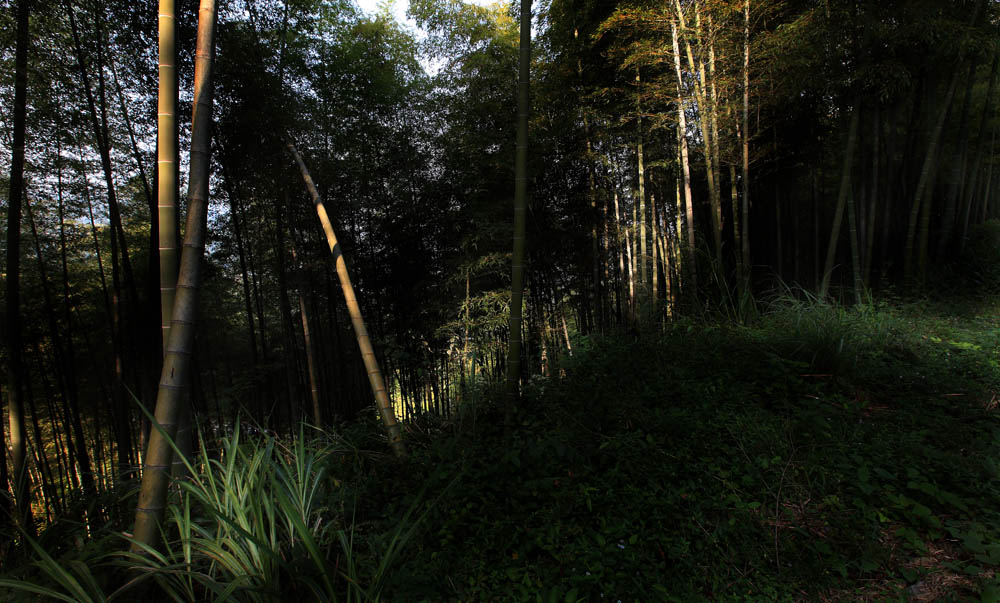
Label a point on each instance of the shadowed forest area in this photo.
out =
(558, 302)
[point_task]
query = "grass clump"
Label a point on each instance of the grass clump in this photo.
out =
(250, 524)
(831, 339)
(257, 519)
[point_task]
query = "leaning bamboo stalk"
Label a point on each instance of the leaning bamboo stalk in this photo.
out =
(354, 309)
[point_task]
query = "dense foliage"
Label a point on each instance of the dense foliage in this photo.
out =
(676, 433)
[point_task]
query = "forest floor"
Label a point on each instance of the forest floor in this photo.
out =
(820, 453)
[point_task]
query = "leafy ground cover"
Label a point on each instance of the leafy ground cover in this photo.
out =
(820, 453)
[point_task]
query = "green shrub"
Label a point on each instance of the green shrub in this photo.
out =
(830, 338)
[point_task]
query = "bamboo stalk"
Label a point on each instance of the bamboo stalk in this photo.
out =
(354, 310)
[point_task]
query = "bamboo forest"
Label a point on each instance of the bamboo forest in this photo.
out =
(473, 300)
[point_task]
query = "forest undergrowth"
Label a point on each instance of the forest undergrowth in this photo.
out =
(818, 453)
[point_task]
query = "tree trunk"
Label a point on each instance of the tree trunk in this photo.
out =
(988, 189)
(596, 259)
(689, 258)
(317, 410)
(285, 311)
(97, 246)
(99, 124)
(988, 108)
(61, 363)
(39, 457)
(166, 218)
(745, 205)
(643, 252)
(174, 378)
(705, 117)
(354, 309)
(713, 108)
(852, 225)
(336, 371)
(634, 254)
(930, 161)
(82, 456)
(845, 190)
(779, 235)
(959, 162)
(15, 371)
(167, 164)
(624, 255)
(734, 198)
(665, 259)
(873, 203)
(655, 252)
(5, 506)
(235, 215)
(888, 200)
(513, 376)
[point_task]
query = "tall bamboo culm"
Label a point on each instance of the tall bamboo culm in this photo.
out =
(21, 486)
(513, 374)
(175, 377)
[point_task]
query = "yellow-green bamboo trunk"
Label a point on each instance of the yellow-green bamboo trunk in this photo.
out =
(354, 310)
(166, 194)
(706, 120)
(175, 378)
(166, 162)
(317, 410)
(689, 248)
(713, 108)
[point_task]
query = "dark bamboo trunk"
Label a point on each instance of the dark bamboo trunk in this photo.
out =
(988, 109)
(15, 371)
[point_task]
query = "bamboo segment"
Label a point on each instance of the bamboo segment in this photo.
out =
(354, 309)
